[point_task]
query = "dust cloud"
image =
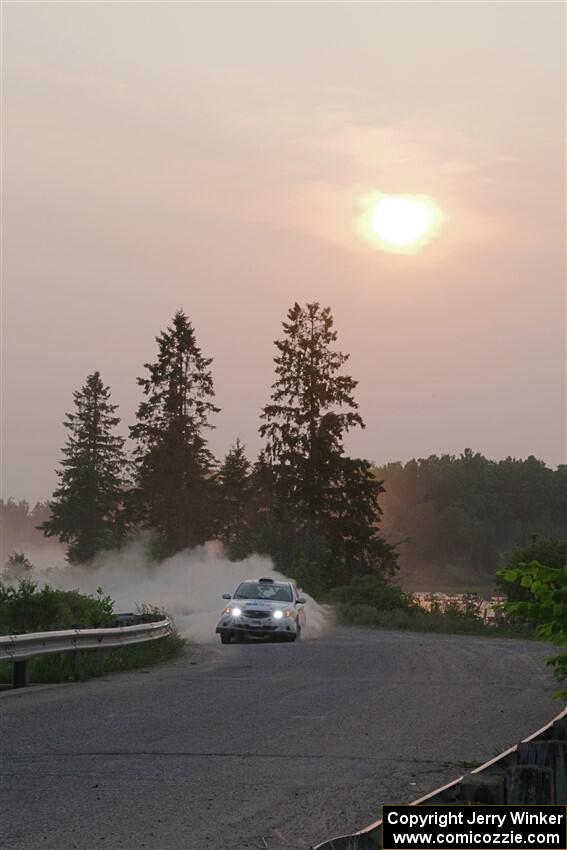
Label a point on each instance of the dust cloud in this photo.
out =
(189, 585)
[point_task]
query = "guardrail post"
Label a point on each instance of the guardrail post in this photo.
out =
(21, 674)
(100, 653)
(76, 662)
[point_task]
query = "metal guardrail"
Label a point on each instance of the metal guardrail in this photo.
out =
(20, 648)
(370, 838)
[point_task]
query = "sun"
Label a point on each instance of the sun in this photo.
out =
(400, 223)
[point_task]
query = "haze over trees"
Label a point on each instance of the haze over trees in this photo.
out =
(17, 567)
(456, 517)
(19, 532)
(318, 512)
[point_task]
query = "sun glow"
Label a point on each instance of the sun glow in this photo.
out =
(400, 223)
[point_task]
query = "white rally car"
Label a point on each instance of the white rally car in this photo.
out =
(262, 608)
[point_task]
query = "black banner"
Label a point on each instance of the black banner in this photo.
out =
(474, 827)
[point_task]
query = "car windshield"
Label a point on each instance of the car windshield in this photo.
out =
(264, 590)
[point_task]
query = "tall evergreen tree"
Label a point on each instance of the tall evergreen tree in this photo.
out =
(312, 407)
(234, 479)
(174, 466)
(86, 508)
(328, 501)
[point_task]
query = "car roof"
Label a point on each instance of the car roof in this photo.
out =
(263, 581)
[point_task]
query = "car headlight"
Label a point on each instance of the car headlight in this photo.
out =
(278, 615)
(236, 612)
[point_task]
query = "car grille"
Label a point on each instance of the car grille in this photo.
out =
(256, 615)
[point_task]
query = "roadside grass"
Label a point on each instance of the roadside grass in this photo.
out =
(420, 620)
(79, 666)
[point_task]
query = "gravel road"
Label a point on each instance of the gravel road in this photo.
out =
(260, 746)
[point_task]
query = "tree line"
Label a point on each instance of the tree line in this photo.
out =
(18, 527)
(19, 521)
(448, 520)
(456, 518)
(303, 500)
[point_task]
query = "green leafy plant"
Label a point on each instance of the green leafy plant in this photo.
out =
(546, 608)
(27, 608)
(550, 551)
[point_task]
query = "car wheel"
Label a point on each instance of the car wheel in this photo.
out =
(291, 638)
(298, 635)
(225, 637)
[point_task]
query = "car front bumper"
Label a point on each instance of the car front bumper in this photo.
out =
(261, 628)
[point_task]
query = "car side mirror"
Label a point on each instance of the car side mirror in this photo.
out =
(301, 600)
(226, 596)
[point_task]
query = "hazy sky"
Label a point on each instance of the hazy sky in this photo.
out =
(213, 157)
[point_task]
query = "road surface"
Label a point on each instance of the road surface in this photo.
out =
(261, 746)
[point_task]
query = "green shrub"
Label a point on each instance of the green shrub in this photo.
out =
(310, 575)
(467, 606)
(417, 619)
(546, 608)
(551, 552)
(371, 590)
(356, 615)
(396, 618)
(25, 608)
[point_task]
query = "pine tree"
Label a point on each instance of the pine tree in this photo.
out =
(234, 479)
(325, 504)
(86, 508)
(174, 467)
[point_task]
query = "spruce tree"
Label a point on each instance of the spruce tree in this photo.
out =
(311, 408)
(325, 503)
(174, 467)
(234, 480)
(86, 508)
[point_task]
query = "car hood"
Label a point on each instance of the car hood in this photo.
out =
(258, 604)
